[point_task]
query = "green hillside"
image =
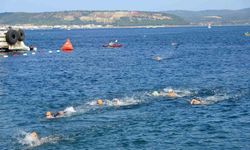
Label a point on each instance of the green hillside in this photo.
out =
(221, 17)
(115, 18)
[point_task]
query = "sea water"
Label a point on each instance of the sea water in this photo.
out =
(211, 64)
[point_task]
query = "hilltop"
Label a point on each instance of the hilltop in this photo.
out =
(127, 18)
(113, 18)
(218, 17)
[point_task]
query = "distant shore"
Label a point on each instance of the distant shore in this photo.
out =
(92, 26)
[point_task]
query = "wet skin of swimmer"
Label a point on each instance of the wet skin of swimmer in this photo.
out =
(171, 93)
(195, 101)
(34, 135)
(50, 115)
(114, 102)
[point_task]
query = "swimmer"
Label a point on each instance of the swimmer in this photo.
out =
(116, 102)
(195, 101)
(171, 93)
(49, 115)
(108, 102)
(59, 114)
(99, 102)
(32, 138)
(161, 93)
(34, 135)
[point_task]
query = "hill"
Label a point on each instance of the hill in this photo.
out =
(219, 17)
(114, 18)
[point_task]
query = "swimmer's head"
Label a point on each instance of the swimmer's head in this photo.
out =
(48, 113)
(195, 101)
(170, 90)
(34, 135)
(99, 102)
(115, 101)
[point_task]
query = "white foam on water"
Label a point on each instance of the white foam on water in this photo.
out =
(92, 103)
(179, 92)
(25, 54)
(5, 56)
(214, 99)
(27, 140)
(68, 111)
(33, 53)
(84, 108)
(127, 101)
(58, 51)
(158, 93)
(50, 51)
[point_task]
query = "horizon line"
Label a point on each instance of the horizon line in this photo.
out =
(124, 10)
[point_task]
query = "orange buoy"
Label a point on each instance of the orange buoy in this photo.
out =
(67, 46)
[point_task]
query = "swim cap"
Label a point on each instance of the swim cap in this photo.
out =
(99, 102)
(48, 113)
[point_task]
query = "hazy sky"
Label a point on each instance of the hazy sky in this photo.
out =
(150, 5)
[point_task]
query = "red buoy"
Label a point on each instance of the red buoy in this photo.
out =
(67, 46)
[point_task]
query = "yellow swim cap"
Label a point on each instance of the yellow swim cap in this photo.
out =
(48, 113)
(99, 102)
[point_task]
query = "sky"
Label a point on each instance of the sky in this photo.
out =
(142, 5)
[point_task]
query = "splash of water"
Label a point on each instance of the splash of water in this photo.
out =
(178, 92)
(27, 139)
(214, 99)
(126, 101)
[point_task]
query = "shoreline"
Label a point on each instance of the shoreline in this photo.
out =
(91, 26)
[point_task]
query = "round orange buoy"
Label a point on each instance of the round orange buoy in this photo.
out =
(67, 46)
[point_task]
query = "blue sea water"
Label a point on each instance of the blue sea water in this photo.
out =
(212, 64)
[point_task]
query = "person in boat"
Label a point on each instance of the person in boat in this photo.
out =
(171, 93)
(196, 101)
(111, 43)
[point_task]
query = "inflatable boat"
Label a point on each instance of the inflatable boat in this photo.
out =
(112, 45)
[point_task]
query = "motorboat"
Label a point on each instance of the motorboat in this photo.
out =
(113, 45)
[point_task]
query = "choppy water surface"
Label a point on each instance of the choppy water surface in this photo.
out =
(211, 64)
